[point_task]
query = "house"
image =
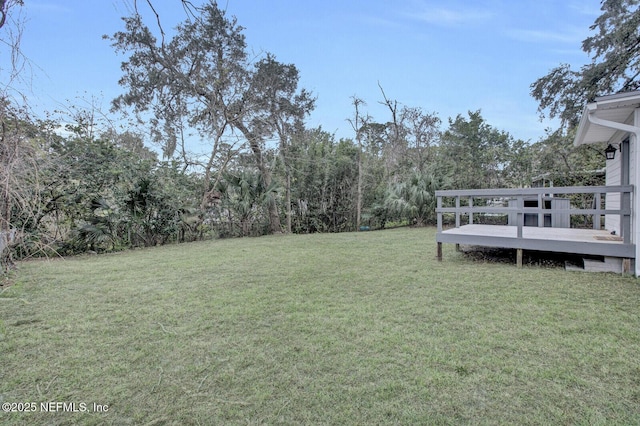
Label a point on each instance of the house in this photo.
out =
(538, 217)
(615, 120)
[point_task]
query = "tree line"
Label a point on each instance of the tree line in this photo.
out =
(76, 191)
(94, 187)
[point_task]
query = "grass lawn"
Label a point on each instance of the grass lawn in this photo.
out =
(354, 328)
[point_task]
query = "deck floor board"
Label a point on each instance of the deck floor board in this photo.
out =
(534, 232)
(565, 240)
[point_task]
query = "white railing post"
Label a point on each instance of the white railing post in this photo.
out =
(439, 214)
(520, 214)
(540, 213)
(598, 205)
(625, 217)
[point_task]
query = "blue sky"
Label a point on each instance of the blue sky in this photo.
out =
(445, 56)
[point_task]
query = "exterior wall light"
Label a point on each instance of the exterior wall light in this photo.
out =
(610, 152)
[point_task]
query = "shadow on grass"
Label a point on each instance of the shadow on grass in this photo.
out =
(530, 257)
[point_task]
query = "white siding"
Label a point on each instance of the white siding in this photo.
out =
(633, 175)
(613, 177)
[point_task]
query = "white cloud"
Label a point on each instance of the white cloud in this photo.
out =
(380, 22)
(46, 7)
(568, 36)
(586, 8)
(448, 16)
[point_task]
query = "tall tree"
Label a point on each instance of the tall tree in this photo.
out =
(202, 79)
(472, 153)
(275, 107)
(359, 124)
(555, 159)
(18, 176)
(396, 141)
(423, 134)
(10, 36)
(16, 153)
(193, 82)
(615, 64)
(410, 135)
(324, 182)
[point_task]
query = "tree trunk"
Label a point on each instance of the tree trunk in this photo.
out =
(359, 195)
(288, 200)
(265, 173)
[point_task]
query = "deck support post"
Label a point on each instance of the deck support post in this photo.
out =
(458, 248)
(626, 266)
(519, 258)
(439, 252)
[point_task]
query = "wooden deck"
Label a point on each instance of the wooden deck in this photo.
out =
(564, 240)
(523, 233)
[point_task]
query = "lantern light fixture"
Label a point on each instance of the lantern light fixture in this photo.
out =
(610, 152)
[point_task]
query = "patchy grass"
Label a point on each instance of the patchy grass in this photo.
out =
(357, 328)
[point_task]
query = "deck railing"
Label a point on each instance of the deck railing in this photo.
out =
(517, 209)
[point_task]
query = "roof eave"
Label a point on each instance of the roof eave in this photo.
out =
(585, 124)
(592, 116)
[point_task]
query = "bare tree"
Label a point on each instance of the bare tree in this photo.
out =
(396, 144)
(12, 145)
(411, 133)
(358, 124)
(422, 134)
